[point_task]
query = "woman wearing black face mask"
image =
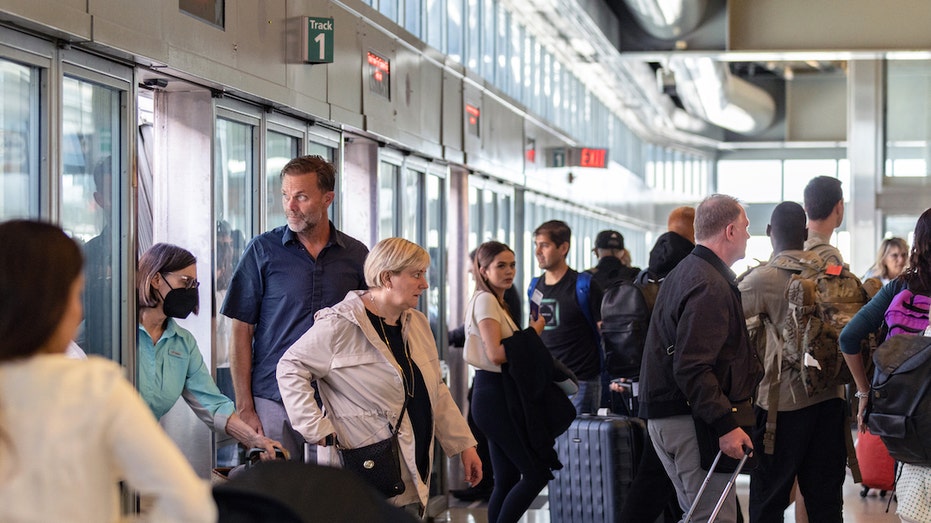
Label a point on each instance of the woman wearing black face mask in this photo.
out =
(170, 364)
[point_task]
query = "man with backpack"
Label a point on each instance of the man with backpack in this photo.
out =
(651, 493)
(824, 205)
(611, 270)
(809, 437)
(571, 304)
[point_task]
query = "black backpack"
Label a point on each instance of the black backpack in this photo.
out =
(625, 317)
(900, 406)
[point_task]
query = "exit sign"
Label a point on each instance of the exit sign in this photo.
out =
(591, 157)
(577, 157)
(318, 40)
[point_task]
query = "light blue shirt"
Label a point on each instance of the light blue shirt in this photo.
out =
(174, 368)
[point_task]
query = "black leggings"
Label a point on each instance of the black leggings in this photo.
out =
(519, 477)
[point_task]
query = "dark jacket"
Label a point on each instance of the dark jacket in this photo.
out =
(540, 410)
(670, 249)
(610, 272)
(698, 358)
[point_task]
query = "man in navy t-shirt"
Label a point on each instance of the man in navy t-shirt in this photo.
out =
(284, 277)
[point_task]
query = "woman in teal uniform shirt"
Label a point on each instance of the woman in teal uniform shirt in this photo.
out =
(170, 364)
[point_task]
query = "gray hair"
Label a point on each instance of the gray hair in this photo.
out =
(714, 214)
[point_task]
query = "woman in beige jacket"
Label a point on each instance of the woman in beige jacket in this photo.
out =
(368, 353)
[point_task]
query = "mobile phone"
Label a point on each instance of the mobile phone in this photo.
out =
(535, 300)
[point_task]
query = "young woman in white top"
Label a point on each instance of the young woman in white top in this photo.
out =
(70, 430)
(519, 477)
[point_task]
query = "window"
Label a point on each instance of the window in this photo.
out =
(279, 150)
(908, 128)
(411, 214)
(387, 199)
(235, 170)
(19, 142)
(209, 11)
(90, 167)
(751, 181)
(455, 26)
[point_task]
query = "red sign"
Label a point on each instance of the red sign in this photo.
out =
(379, 75)
(474, 118)
(593, 157)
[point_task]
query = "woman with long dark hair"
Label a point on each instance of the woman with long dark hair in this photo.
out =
(519, 475)
(71, 430)
(913, 488)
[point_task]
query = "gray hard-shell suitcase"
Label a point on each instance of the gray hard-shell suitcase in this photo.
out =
(600, 455)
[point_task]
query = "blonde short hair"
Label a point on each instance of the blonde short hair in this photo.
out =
(393, 255)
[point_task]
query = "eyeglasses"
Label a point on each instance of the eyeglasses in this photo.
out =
(186, 281)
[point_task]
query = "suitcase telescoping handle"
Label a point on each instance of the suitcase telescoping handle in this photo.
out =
(727, 487)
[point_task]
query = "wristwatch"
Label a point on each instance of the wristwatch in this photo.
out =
(861, 395)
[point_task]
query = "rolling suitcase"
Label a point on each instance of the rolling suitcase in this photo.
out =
(599, 456)
(877, 467)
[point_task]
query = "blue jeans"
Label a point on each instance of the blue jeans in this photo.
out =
(588, 398)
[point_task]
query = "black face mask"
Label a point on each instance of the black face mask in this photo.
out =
(180, 303)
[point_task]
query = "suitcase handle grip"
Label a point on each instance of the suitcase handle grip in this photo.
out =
(727, 487)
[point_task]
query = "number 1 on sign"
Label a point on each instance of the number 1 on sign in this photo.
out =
(321, 44)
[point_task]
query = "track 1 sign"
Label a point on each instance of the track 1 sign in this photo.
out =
(318, 40)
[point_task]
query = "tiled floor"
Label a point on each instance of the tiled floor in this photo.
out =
(871, 509)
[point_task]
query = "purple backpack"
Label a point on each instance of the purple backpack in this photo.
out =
(907, 314)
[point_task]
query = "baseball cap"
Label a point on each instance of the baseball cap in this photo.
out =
(609, 240)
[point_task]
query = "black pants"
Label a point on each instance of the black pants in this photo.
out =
(810, 445)
(519, 477)
(488, 469)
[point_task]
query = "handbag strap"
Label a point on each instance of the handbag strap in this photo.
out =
(397, 428)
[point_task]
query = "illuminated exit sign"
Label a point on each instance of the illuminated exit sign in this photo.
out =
(577, 157)
(589, 157)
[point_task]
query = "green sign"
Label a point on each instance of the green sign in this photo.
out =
(318, 40)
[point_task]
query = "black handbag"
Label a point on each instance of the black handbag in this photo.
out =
(707, 439)
(379, 464)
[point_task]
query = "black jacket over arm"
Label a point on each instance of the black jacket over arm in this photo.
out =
(540, 410)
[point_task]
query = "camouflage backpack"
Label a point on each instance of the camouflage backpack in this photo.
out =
(822, 299)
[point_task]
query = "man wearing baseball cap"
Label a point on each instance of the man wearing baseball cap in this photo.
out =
(613, 260)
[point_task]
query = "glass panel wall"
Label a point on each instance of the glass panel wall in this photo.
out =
(908, 125)
(91, 130)
(763, 183)
(235, 171)
(436, 295)
(387, 199)
(411, 213)
(19, 141)
(279, 150)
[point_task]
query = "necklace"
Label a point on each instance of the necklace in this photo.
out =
(408, 381)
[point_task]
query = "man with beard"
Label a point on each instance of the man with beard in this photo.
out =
(572, 312)
(283, 278)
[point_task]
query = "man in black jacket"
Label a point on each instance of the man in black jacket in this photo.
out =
(611, 269)
(698, 360)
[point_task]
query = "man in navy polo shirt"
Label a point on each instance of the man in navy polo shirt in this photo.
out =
(284, 277)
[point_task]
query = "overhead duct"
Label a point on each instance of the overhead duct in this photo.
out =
(667, 19)
(707, 88)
